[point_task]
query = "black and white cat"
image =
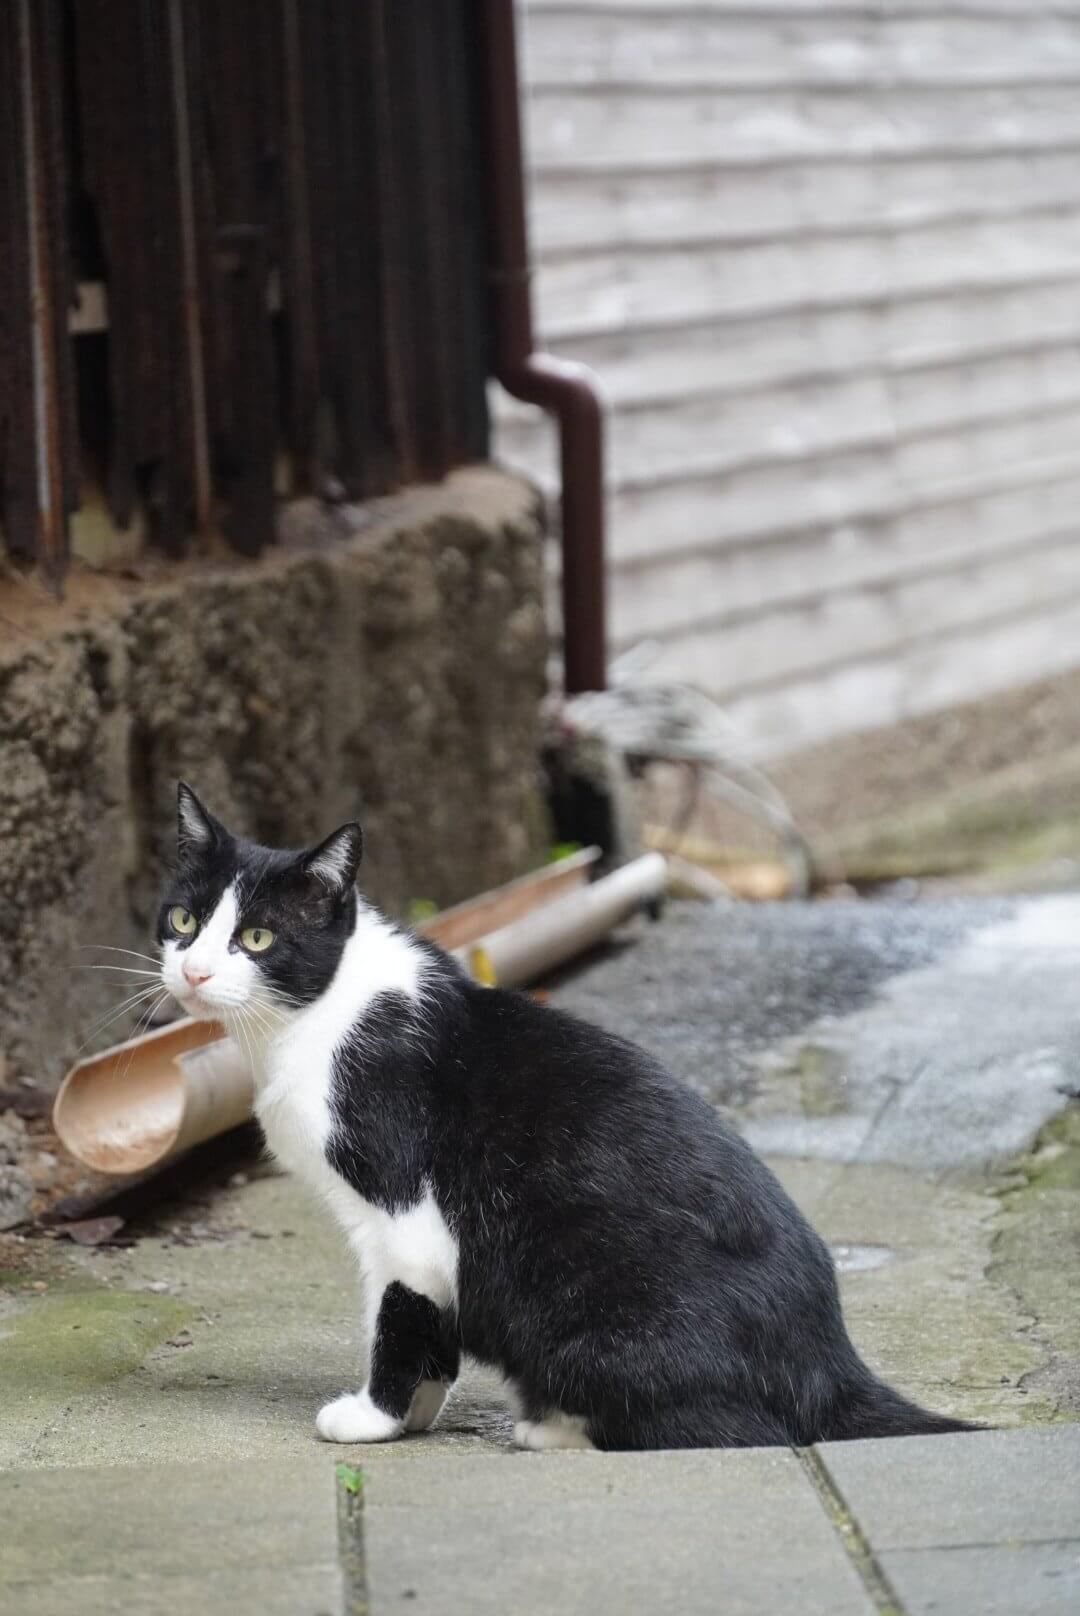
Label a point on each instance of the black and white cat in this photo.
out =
(514, 1184)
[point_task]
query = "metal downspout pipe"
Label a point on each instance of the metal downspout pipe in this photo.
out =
(567, 391)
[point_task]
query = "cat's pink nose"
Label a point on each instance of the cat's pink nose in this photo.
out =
(194, 977)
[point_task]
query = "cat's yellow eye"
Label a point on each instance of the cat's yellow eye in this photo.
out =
(183, 921)
(256, 939)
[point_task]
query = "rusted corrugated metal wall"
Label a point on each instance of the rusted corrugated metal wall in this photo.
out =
(37, 425)
(281, 201)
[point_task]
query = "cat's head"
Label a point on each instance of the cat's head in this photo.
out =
(246, 929)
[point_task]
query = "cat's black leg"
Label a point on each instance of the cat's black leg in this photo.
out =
(413, 1363)
(414, 1357)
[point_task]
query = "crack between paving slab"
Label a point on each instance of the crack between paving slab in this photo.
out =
(351, 1557)
(855, 1543)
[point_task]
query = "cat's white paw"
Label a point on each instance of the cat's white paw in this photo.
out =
(354, 1418)
(557, 1431)
(428, 1399)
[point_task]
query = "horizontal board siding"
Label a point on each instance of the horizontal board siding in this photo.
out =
(719, 432)
(691, 513)
(568, 128)
(676, 47)
(727, 584)
(587, 211)
(888, 687)
(854, 12)
(825, 260)
(619, 289)
(779, 349)
(793, 641)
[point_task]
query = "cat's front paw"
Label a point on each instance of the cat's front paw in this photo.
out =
(355, 1418)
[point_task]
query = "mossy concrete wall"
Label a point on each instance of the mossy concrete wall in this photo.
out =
(385, 663)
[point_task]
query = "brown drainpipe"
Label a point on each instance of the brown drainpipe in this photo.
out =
(566, 390)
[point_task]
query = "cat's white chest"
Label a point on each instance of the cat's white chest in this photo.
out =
(415, 1245)
(294, 1113)
(292, 1103)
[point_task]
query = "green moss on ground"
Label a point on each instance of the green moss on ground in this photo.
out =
(76, 1336)
(1035, 1253)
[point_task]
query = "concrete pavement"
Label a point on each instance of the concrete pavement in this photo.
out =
(907, 1069)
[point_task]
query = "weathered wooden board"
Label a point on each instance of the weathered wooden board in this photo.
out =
(573, 212)
(785, 500)
(676, 45)
(723, 592)
(785, 348)
(978, 660)
(825, 259)
(626, 288)
(785, 644)
(574, 129)
(727, 431)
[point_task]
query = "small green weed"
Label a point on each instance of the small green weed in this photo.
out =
(351, 1478)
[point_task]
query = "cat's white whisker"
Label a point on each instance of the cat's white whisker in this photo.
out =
(127, 970)
(141, 1025)
(106, 948)
(118, 1011)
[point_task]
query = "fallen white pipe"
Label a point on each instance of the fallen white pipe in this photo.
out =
(467, 922)
(527, 948)
(139, 1104)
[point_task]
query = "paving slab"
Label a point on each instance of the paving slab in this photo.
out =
(256, 1590)
(924, 1300)
(585, 1534)
(974, 1488)
(223, 1539)
(1024, 1579)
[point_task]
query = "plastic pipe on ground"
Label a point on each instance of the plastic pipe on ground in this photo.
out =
(136, 1106)
(526, 949)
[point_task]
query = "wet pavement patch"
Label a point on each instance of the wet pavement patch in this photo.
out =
(714, 985)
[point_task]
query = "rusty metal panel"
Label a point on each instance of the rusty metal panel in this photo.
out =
(281, 199)
(468, 229)
(129, 84)
(345, 102)
(300, 336)
(434, 233)
(37, 439)
(236, 109)
(18, 480)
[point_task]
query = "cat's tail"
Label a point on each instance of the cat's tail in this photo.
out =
(874, 1409)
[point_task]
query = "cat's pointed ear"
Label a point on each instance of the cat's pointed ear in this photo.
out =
(335, 862)
(195, 828)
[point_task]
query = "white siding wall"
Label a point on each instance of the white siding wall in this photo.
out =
(825, 259)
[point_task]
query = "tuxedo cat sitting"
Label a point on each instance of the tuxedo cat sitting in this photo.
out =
(514, 1184)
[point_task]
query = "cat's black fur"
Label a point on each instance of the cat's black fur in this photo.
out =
(623, 1255)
